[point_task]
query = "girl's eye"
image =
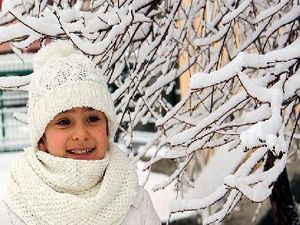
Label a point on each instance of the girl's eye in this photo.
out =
(92, 119)
(64, 122)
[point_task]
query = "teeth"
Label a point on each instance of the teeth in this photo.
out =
(80, 152)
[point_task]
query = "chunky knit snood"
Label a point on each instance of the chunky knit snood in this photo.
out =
(49, 190)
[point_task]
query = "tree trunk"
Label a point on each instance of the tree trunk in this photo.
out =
(284, 208)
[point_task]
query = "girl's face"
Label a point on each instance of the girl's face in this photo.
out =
(79, 133)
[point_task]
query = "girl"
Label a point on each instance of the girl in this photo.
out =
(73, 173)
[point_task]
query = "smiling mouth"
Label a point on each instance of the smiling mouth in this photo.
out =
(81, 151)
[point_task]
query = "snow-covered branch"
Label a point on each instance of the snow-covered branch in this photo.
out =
(243, 62)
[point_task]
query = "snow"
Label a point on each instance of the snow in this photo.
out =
(202, 80)
(162, 198)
(13, 134)
(14, 81)
(244, 119)
(192, 132)
(14, 31)
(287, 18)
(208, 185)
(270, 11)
(261, 27)
(266, 129)
(292, 86)
(216, 37)
(5, 161)
(7, 5)
(11, 62)
(40, 25)
(230, 16)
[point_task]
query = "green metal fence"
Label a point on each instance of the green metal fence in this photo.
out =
(14, 135)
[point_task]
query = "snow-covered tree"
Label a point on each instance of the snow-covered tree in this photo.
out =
(242, 58)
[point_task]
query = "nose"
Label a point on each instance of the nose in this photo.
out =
(80, 133)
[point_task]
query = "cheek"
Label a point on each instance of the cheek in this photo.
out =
(55, 140)
(101, 136)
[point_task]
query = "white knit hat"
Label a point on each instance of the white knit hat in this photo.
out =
(64, 79)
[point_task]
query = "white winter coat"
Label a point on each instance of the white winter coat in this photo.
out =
(141, 212)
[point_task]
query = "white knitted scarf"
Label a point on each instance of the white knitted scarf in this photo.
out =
(47, 190)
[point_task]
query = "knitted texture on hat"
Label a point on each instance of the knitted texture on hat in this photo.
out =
(64, 79)
(40, 194)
